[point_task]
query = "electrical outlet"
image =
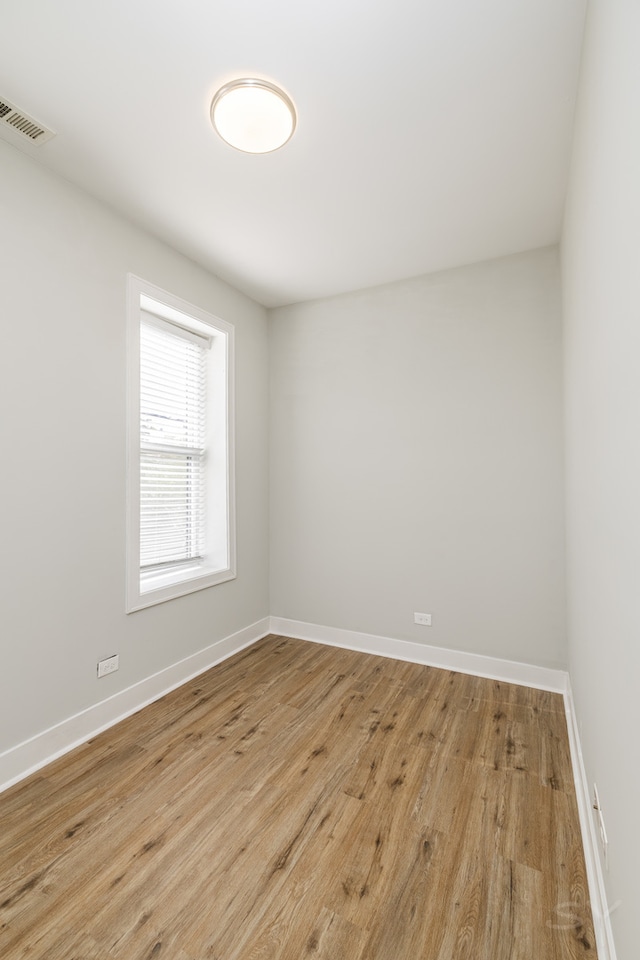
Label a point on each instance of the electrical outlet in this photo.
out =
(424, 619)
(110, 665)
(604, 840)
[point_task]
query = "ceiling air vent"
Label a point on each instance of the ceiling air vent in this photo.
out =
(15, 119)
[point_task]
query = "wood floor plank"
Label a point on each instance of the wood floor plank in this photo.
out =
(305, 801)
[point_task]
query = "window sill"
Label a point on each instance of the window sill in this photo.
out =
(167, 585)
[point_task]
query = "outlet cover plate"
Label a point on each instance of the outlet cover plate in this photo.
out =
(109, 665)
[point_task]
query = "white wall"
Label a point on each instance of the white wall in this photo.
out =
(601, 283)
(416, 460)
(62, 512)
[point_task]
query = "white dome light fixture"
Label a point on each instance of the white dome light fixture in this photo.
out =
(254, 116)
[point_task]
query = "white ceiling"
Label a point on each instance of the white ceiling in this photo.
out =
(431, 133)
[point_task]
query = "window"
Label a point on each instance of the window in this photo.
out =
(173, 442)
(181, 530)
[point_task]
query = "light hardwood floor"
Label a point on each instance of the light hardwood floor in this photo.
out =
(301, 801)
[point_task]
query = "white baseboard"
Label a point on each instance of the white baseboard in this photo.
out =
(509, 671)
(599, 908)
(27, 757)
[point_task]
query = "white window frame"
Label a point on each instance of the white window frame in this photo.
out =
(219, 562)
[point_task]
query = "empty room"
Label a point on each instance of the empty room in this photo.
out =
(319, 613)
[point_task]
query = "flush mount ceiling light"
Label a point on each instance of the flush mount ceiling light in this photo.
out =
(254, 116)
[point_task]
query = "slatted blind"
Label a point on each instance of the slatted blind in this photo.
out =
(173, 381)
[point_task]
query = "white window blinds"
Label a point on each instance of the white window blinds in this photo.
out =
(173, 430)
